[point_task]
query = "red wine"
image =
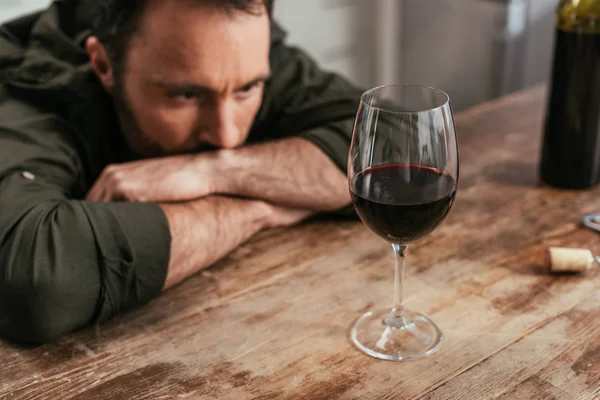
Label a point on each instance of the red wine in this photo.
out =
(571, 148)
(401, 202)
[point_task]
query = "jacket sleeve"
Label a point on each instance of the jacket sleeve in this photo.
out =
(64, 262)
(303, 100)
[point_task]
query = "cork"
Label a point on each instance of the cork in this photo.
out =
(560, 259)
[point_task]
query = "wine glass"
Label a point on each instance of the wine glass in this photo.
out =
(403, 176)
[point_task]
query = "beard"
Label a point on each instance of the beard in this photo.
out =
(138, 143)
(141, 145)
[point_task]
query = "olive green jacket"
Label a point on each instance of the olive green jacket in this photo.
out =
(64, 262)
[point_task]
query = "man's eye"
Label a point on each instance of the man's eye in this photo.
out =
(185, 96)
(248, 90)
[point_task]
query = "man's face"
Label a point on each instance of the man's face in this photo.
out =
(193, 78)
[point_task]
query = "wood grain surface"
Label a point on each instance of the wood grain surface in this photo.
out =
(271, 321)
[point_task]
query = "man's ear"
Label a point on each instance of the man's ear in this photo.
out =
(100, 63)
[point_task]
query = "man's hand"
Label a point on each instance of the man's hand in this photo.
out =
(170, 179)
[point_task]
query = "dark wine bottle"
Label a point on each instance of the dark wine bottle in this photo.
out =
(571, 142)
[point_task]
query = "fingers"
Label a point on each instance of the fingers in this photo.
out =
(101, 191)
(108, 187)
(150, 180)
(96, 193)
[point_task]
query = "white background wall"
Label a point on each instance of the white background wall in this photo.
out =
(337, 33)
(540, 41)
(14, 8)
(473, 49)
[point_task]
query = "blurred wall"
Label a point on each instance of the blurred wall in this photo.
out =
(337, 33)
(473, 49)
(540, 40)
(13, 8)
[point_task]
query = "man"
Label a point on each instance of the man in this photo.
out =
(134, 154)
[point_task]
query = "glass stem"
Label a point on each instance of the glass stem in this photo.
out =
(395, 319)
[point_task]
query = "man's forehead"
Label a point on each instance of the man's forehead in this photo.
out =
(204, 46)
(159, 14)
(183, 29)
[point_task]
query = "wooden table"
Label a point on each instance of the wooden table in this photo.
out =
(272, 320)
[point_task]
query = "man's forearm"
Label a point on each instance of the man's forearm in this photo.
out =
(290, 172)
(204, 231)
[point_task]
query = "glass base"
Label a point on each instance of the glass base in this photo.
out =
(384, 335)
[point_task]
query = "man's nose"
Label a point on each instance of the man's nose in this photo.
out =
(221, 131)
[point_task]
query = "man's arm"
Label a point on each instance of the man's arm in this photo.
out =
(66, 263)
(289, 172)
(205, 230)
(292, 172)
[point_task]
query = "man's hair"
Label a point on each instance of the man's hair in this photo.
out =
(115, 22)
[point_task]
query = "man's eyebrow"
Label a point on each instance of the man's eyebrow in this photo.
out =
(260, 79)
(197, 88)
(181, 86)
